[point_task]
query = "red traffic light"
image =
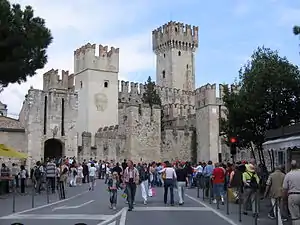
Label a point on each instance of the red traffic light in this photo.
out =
(232, 140)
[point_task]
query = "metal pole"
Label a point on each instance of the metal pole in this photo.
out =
(47, 184)
(240, 204)
(256, 208)
(14, 196)
(227, 202)
(277, 211)
(198, 186)
(209, 190)
(32, 193)
(203, 192)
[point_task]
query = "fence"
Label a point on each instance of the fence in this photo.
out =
(36, 188)
(205, 185)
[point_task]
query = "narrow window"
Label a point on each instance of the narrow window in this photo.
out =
(164, 74)
(45, 115)
(164, 55)
(81, 84)
(187, 66)
(106, 84)
(62, 117)
(179, 53)
(176, 29)
(140, 109)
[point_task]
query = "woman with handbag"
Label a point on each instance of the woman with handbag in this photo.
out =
(169, 175)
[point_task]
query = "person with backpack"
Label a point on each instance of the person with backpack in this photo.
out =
(38, 176)
(251, 187)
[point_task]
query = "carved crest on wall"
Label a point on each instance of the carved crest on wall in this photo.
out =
(101, 101)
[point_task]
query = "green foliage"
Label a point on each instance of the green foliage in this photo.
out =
(23, 43)
(296, 30)
(269, 98)
(150, 95)
(194, 146)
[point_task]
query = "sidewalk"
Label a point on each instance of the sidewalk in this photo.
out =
(25, 202)
(234, 210)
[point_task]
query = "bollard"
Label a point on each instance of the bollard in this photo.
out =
(198, 187)
(227, 202)
(256, 208)
(47, 184)
(14, 197)
(277, 211)
(209, 191)
(203, 193)
(32, 195)
(240, 204)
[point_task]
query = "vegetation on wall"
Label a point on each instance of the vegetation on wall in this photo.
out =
(194, 146)
(23, 43)
(269, 97)
(150, 95)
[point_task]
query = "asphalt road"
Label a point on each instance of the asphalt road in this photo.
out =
(91, 208)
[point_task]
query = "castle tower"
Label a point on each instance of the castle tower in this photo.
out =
(207, 123)
(174, 45)
(96, 81)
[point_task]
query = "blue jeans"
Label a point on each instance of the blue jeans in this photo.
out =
(218, 190)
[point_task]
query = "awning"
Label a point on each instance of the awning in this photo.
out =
(282, 143)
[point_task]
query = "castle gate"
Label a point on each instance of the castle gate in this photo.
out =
(53, 148)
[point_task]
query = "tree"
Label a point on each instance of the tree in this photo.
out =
(296, 30)
(269, 97)
(150, 95)
(23, 43)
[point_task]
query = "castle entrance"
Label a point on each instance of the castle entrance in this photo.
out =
(53, 148)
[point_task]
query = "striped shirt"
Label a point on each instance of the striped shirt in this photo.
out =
(51, 169)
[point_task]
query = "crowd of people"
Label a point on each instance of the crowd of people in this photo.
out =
(247, 182)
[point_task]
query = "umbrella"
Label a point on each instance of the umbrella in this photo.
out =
(10, 152)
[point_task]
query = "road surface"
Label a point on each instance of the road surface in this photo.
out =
(91, 208)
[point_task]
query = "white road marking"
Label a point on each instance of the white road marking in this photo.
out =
(171, 209)
(73, 207)
(113, 223)
(50, 204)
(230, 221)
(57, 217)
(123, 218)
(113, 217)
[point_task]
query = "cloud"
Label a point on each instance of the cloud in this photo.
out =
(88, 19)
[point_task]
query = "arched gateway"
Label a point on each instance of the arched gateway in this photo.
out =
(53, 148)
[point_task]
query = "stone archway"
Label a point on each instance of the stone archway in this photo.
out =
(53, 148)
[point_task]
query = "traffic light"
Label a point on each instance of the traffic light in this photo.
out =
(233, 145)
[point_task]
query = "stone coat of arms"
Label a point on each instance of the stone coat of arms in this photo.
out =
(101, 101)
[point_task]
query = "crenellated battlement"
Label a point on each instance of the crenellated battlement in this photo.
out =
(111, 132)
(51, 80)
(175, 110)
(85, 58)
(175, 35)
(206, 95)
(133, 92)
(232, 88)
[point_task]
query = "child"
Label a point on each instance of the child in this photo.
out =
(113, 186)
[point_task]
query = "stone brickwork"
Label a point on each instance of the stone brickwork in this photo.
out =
(129, 128)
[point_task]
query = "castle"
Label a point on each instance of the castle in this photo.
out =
(91, 114)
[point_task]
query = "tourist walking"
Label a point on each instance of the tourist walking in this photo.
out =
(170, 177)
(113, 186)
(182, 180)
(144, 181)
(92, 175)
(131, 179)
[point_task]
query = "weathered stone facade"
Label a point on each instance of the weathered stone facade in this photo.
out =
(87, 114)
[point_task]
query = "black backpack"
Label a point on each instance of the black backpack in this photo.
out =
(253, 182)
(37, 173)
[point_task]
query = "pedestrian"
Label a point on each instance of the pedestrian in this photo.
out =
(113, 186)
(92, 175)
(131, 180)
(291, 187)
(182, 179)
(144, 181)
(170, 178)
